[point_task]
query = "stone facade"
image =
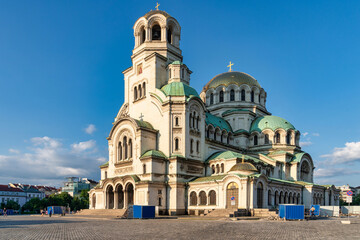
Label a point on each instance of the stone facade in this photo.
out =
(181, 151)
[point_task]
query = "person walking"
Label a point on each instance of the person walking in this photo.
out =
(50, 212)
(4, 212)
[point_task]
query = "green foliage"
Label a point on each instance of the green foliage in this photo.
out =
(62, 199)
(10, 205)
(356, 200)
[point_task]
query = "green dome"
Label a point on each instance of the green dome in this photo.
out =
(228, 78)
(270, 122)
(179, 89)
(243, 167)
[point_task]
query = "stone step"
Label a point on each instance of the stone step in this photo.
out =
(103, 212)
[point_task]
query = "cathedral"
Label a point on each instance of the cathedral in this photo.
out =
(186, 152)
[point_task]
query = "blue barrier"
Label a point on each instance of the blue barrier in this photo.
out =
(291, 212)
(317, 210)
(142, 212)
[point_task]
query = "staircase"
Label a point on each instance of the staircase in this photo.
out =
(227, 213)
(103, 212)
(263, 213)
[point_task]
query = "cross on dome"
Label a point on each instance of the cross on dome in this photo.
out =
(229, 66)
(157, 6)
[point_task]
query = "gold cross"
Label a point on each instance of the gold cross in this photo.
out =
(229, 66)
(157, 6)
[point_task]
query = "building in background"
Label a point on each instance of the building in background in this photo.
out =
(30, 190)
(15, 194)
(75, 185)
(47, 190)
(345, 188)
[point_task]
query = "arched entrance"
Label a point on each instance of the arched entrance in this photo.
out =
(129, 194)
(110, 197)
(260, 195)
(93, 200)
(232, 195)
(120, 196)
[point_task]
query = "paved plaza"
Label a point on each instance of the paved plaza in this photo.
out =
(68, 227)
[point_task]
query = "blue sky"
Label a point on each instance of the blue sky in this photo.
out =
(61, 82)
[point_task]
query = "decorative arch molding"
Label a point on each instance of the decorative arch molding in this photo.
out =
(157, 19)
(138, 25)
(171, 22)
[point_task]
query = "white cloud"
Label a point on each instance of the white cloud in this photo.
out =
(305, 133)
(11, 150)
(316, 134)
(83, 146)
(304, 144)
(90, 129)
(48, 161)
(333, 172)
(347, 154)
(101, 159)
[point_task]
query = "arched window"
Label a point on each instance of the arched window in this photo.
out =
(191, 146)
(213, 169)
(269, 198)
(260, 196)
(176, 121)
(221, 96)
(252, 96)
(255, 140)
(259, 98)
(139, 90)
(142, 35)
(267, 139)
(202, 196)
(222, 168)
(212, 197)
(156, 32)
(208, 133)
(211, 98)
(169, 35)
(169, 73)
(228, 139)
(277, 137)
(215, 134)
(159, 201)
(217, 168)
(144, 168)
(243, 95)
(232, 95)
(193, 119)
(197, 122)
(190, 120)
(135, 93)
(221, 137)
(288, 138)
(176, 144)
(144, 89)
(125, 148)
(120, 152)
(130, 149)
(182, 73)
(193, 199)
(197, 146)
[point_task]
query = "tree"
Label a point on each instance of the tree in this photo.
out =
(356, 200)
(12, 205)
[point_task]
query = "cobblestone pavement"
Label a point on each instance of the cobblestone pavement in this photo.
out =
(36, 227)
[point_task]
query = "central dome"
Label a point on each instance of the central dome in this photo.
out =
(228, 78)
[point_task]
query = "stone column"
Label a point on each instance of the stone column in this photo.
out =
(116, 200)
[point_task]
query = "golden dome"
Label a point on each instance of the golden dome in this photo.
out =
(243, 167)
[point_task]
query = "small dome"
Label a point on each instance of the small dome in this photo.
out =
(228, 78)
(152, 12)
(179, 89)
(245, 166)
(270, 122)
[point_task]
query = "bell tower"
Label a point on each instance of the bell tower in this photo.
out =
(157, 46)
